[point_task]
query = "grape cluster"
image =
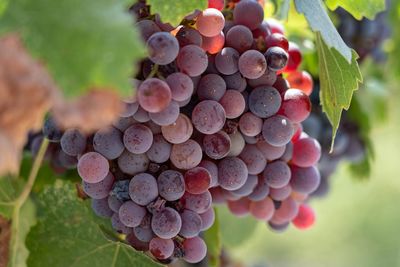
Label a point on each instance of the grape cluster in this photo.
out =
(213, 120)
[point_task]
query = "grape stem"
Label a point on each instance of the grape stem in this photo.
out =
(153, 72)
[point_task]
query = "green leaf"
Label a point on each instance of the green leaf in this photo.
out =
(358, 8)
(338, 80)
(212, 238)
(173, 11)
(10, 188)
(83, 43)
(67, 235)
(3, 6)
(283, 9)
(319, 21)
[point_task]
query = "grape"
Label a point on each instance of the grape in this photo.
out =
(210, 22)
(130, 108)
(154, 128)
(217, 145)
(260, 191)
(92, 167)
(161, 248)
(264, 101)
(171, 185)
(163, 48)
(197, 180)
(186, 155)
(123, 123)
(118, 226)
(133, 163)
(212, 168)
(166, 116)
(305, 180)
(211, 69)
(191, 224)
(114, 203)
(242, 11)
(217, 4)
(250, 124)
(306, 152)
(73, 142)
(181, 86)
(252, 64)
(160, 150)
(232, 173)
(262, 30)
(235, 82)
(147, 28)
(198, 203)
(234, 104)
(213, 44)
(208, 117)
(136, 243)
(287, 155)
(294, 58)
(240, 38)
(298, 132)
(275, 26)
(66, 161)
(154, 95)
(195, 249)
(138, 138)
(280, 194)
(101, 189)
(286, 212)
(100, 207)
(277, 58)
(108, 142)
(239, 208)
(211, 87)
(248, 187)
(226, 61)
(121, 190)
(277, 39)
(281, 84)
(218, 196)
(179, 131)
(192, 60)
(143, 189)
(278, 228)
(140, 116)
(237, 144)
(305, 218)
(296, 105)
(262, 210)
(131, 214)
(189, 36)
(51, 130)
(301, 80)
(207, 219)
(166, 223)
(143, 232)
(267, 79)
(277, 174)
(277, 130)
(253, 158)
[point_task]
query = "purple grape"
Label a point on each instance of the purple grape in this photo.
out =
(163, 48)
(131, 214)
(73, 142)
(252, 64)
(211, 87)
(160, 150)
(101, 189)
(264, 101)
(138, 138)
(305, 180)
(208, 117)
(226, 61)
(195, 249)
(143, 189)
(108, 142)
(93, 167)
(132, 164)
(277, 174)
(171, 185)
(167, 115)
(166, 223)
(232, 173)
(198, 203)
(191, 224)
(101, 208)
(277, 130)
(161, 248)
(207, 219)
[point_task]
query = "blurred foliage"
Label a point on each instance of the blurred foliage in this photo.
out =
(212, 237)
(358, 8)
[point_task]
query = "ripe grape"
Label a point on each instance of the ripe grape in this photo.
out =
(101, 208)
(252, 64)
(208, 117)
(235, 82)
(154, 95)
(264, 101)
(195, 249)
(161, 248)
(211, 87)
(213, 44)
(166, 223)
(243, 9)
(108, 142)
(51, 130)
(197, 180)
(261, 190)
(217, 145)
(163, 48)
(306, 152)
(280, 194)
(277, 174)
(253, 158)
(277, 39)
(167, 115)
(301, 80)
(143, 189)
(262, 210)
(226, 61)
(181, 86)
(212, 168)
(124, 122)
(121, 190)
(305, 180)
(286, 212)
(277, 130)
(217, 4)
(160, 150)
(136, 243)
(73, 142)
(131, 214)
(179, 131)
(277, 58)
(171, 185)
(198, 203)
(237, 144)
(210, 22)
(232, 173)
(250, 124)
(191, 224)
(287, 155)
(147, 28)
(101, 189)
(92, 167)
(140, 116)
(305, 218)
(138, 138)
(281, 84)
(278, 228)
(248, 187)
(207, 219)
(233, 103)
(186, 155)
(240, 207)
(294, 58)
(296, 105)
(114, 203)
(118, 226)
(143, 232)
(240, 38)
(133, 164)
(275, 26)
(189, 36)
(267, 79)
(192, 60)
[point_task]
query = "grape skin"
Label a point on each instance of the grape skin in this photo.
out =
(101, 209)
(235, 82)
(233, 103)
(286, 212)
(305, 180)
(296, 105)
(186, 155)
(267, 79)
(93, 167)
(171, 185)
(147, 28)
(192, 60)
(239, 208)
(108, 142)
(189, 36)
(242, 11)
(260, 191)
(167, 116)
(73, 142)
(226, 61)
(138, 138)
(163, 48)
(270, 152)
(143, 189)
(277, 130)
(252, 64)
(262, 210)
(161, 248)
(280, 194)
(195, 249)
(237, 144)
(207, 219)
(181, 86)
(232, 173)
(210, 22)
(179, 131)
(160, 150)
(250, 124)
(264, 101)
(211, 87)
(208, 117)
(254, 159)
(191, 224)
(217, 145)
(277, 174)
(212, 168)
(198, 203)
(213, 44)
(99, 190)
(306, 152)
(118, 226)
(166, 223)
(133, 164)
(197, 180)
(131, 214)
(240, 38)
(248, 187)
(154, 95)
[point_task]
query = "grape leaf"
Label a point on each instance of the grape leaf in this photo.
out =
(283, 9)
(3, 6)
(66, 235)
(173, 11)
(338, 81)
(83, 43)
(319, 21)
(358, 8)
(10, 188)
(212, 238)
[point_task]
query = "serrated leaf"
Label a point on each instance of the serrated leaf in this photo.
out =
(212, 237)
(338, 81)
(173, 11)
(358, 8)
(83, 43)
(319, 21)
(67, 235)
